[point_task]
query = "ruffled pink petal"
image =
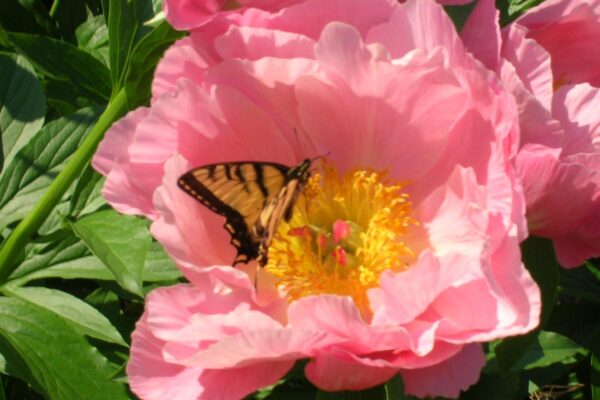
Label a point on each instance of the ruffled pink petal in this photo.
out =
(302, 18)
(153, 378)
(128, 187)
(576, 107)
(574, 249)
(186, 14)
(339, 317)
(531, 61)
(183, 59)
(536, 122)
(404, 32)
(484, 44)
(183, 314)
(448, 378)
(255, 43)
(402, 303)
(258, 345)
(569, 30)
(517, 296)
(237, 383)
(360, 84)
(335, 371)
(570, 188)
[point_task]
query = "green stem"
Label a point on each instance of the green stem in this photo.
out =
(54, 7)
(117, 106)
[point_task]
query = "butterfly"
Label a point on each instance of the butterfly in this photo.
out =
(254, 197)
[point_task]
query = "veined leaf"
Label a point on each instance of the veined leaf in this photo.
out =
(37, 163)
(549, 348)
(125, 27)
(22, 105)
(92, 36)
(159, 266)
(52, 356)
(87, 197)
(76, 312)
(120, 241)
(63, 61)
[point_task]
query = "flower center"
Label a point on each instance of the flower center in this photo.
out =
(346, 230)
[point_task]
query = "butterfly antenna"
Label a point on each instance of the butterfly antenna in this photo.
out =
(321, 156)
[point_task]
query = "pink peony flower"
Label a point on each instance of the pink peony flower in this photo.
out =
(548, 59)
(402, 255)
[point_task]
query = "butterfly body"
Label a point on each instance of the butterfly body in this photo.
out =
(254, 197)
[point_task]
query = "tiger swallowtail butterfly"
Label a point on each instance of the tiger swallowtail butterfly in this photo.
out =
(254, 197)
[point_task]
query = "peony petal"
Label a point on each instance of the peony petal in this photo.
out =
(484, 44)
(576, 107)
(186, 14)
(531, 62)
(448, 378)
(153, 378)
(128, 187)
(254, 43)
(183, 59)
(334, 372)
(569, 31)
(403, 32)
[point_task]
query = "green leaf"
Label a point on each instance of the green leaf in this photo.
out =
(52, 356)
(87, 196)
(24, 181)
(376, 393)
(92, 36)
(520, 6)
(26, 16)
(66, 98)
(595, 378)
(549, 348)
(579, 322)
(499, 386)
(540, 377)
(125, 23)
(69, 14)
(42, 256)
(65, 62)
(109, 304)
(143, 63)
(76, 312)
(582, 283)
(394, 389)
(538, 255)
(87, 267)
(22, 105)
(120, 241)
(159, 266)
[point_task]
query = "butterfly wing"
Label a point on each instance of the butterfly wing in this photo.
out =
(239, 191)
(280, 208)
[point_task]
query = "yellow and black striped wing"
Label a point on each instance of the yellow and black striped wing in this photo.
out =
(239, 191)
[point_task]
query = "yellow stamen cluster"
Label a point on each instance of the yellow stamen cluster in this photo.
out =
(344, 233)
